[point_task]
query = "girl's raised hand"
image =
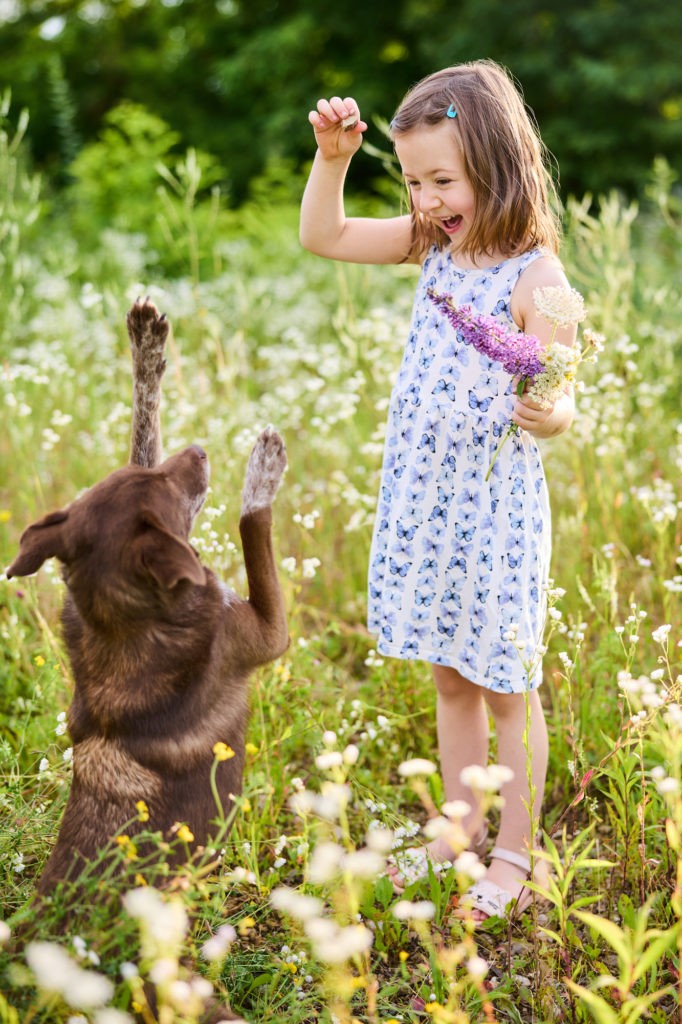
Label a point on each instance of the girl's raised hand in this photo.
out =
(333, 139)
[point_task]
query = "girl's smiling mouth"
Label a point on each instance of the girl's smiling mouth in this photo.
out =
(450, 225)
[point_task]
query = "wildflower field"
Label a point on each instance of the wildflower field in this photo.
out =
(291, 914)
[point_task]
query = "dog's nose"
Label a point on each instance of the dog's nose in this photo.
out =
(199, 451)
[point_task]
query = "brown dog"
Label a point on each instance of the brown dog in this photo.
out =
(160, 648)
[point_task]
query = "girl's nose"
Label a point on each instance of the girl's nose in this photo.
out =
(428, 200)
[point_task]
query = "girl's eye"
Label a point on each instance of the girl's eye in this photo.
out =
(413, 184)
(443, 181)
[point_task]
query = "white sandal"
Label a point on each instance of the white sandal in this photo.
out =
(492, 900)
(413, 863)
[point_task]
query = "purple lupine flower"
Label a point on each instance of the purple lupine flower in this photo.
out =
(517, 352)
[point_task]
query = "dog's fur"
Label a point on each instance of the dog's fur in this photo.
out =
(160, 649)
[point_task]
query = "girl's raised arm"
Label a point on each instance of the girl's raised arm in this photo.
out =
(325, 229)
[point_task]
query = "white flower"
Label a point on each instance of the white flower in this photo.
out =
(469, 864)
(217, 946)
(112, 1016)
(56, 972)
(364, 863)
(498, 774)
(329, 759)
(309, 567)
(666, 786)
(474, 776)
(380, 839)
(329, 738)
(164, 922)
(351, 754)
(436, 828)
(162, 970)
(289, 564)
(325, 862)
(295, 903)
(456, 809)
(5, 932)
(420, 910)
(416, 766)
(559, 305)
(335, 944)
(660, 635)
(44, 765)
(477, 968)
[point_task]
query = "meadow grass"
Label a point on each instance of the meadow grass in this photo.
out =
(264, 333)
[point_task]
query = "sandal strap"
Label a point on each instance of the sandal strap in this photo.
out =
(517, 859)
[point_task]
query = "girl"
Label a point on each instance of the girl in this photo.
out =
(460, 564)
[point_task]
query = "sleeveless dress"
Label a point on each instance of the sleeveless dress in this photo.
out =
(457, 562)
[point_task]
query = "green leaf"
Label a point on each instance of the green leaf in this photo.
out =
(383, 890)
(600, 1009)
(657, 947)
(609, 931)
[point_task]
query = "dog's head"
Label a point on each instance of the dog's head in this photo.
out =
(126, 535)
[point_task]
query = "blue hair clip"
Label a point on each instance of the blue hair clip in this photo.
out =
(451, 111)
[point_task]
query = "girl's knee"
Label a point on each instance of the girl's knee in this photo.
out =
(507, 706)
(450, 685)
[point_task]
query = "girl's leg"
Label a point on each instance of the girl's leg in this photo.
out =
(462, 727)
(509, 714)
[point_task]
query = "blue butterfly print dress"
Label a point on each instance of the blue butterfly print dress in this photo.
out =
(457, 561)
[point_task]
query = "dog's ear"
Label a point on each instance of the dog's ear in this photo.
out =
(167, 558)
(42, 540)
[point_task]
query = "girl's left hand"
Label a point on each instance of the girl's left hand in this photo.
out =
(529, 415)
(543, 421)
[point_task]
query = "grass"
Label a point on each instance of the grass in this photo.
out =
(263, 332)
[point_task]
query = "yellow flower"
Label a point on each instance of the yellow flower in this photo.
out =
(39, 660)
(245, 924)
(122, 840)
(222, 752)
(358, 983)
(142, 811)
(404, 955)
(139, 880)
(246, 806)
(292, 967)
(185, 834)
(5, 515)
(251, 748)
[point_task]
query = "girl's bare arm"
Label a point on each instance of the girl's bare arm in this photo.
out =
(325, 229)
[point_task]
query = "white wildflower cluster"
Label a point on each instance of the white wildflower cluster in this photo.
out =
(307, 520)
(560, 364)
(643, 688)
(414, 910)
(416, 766)
(57, 974)
(488, 779)
(217, 947)
(559, 305)
(666, 785)
(660, 501)
(328, 804)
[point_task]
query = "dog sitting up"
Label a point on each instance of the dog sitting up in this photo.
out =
(160, 648)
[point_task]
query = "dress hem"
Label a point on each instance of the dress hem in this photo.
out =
(437, 658)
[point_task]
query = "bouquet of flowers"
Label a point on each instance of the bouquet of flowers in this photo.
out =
(542, 372)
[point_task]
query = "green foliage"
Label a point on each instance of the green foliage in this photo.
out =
(262, 332)
(237, 79)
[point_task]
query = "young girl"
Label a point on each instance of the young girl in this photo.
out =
(459, 563)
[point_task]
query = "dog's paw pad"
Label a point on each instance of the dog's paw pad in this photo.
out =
(148, 331)
(266, 465)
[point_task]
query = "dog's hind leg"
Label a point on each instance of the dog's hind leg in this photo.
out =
(148, 330)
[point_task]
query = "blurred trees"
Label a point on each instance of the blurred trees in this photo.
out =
(236, 78)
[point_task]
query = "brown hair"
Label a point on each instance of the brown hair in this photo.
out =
(516, 204)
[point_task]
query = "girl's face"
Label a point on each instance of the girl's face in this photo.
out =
(434, 171)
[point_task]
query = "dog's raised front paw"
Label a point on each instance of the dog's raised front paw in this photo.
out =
(147, 330)
(267, 462)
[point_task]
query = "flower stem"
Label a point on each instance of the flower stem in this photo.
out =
(513, 429)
